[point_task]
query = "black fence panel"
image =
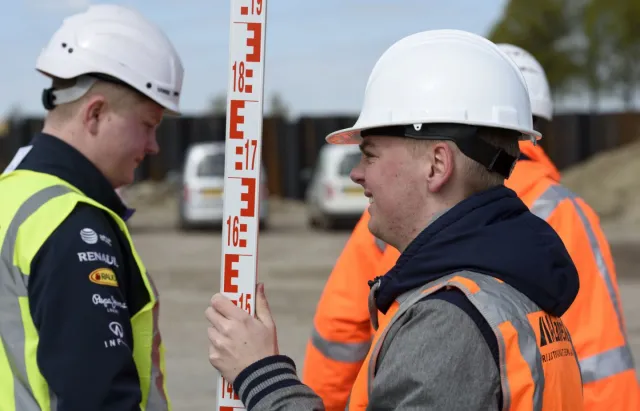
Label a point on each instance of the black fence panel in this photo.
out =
(291, 147)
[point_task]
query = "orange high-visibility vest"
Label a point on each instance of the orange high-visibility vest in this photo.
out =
(538, 366)
(595, 319)
(342, 328)
(342, 332)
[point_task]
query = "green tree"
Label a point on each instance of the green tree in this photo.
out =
(278, 107)
(611, 48)
(545, 29)
(596, 49)
(218, 105)
(624, 60)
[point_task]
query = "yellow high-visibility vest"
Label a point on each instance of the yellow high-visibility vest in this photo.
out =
(33, 205)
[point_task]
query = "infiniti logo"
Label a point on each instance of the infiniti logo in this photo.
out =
(116, 329)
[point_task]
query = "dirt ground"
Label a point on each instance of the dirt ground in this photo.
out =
(294, 263)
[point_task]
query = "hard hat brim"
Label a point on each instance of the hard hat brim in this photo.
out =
(352, 135)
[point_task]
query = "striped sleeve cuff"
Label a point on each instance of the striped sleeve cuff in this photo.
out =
(264, 377)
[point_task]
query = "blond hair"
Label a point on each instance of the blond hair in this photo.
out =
(119, 98)
(476, 176)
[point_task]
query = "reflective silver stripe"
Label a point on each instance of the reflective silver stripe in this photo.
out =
(606, 364)
(543, 207)
(339, 351)
(380, 244)
(498, 303)
(13, 285)
(157, 399)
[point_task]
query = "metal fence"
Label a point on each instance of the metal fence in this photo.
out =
(291, 146)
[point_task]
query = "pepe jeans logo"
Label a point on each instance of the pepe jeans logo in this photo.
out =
(110, 304)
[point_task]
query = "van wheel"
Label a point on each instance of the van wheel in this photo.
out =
(327, 223)
(322, 222)
(313, 222)
(183, 224)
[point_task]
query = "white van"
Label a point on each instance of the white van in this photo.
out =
(331, 195)
(201, 197)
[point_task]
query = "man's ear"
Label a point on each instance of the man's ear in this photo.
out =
(94, 113)
(442, 165)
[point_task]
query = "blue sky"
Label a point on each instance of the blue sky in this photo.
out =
(319, 53)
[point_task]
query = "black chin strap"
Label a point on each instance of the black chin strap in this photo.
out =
(493, 158)
(48, 98)
(466, 138)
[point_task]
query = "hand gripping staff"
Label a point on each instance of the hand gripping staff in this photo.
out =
(243, 149)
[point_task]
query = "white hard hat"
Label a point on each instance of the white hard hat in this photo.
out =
(443, 76)
(114, 43)
(534, 75)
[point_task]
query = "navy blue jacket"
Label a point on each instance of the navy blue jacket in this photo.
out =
(492, 232)
(85, 348)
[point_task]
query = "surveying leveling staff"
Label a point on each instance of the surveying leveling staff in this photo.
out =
(79, 313)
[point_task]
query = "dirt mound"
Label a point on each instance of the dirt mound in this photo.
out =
(610, 183)
(150, 194)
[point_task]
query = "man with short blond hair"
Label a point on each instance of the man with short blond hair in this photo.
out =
(79, 327)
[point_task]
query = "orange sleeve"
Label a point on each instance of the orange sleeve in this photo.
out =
(592, 318)
(595, 319)
(342, 329)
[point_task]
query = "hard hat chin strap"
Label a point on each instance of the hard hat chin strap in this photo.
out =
(466, 138)
(493, 158)
(52, 97)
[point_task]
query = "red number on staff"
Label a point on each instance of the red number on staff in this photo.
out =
(227, 388)
(233, 231)
(247, 145)
(238, 76)
(256, 7)
(245, 301)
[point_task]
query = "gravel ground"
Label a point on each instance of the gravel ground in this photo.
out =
(294, 263)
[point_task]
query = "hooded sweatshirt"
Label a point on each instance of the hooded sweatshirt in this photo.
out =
(490, 233)
(437, 356)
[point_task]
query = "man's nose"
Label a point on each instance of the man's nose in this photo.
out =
(357, 174)
(153, 147)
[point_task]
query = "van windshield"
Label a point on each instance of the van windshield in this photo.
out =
(348, 162)
(211, 166)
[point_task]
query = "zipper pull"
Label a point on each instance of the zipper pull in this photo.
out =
(373, 310)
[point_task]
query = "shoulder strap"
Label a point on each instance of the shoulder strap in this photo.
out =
(457, 298)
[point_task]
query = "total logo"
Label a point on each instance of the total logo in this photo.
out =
(104, 276)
